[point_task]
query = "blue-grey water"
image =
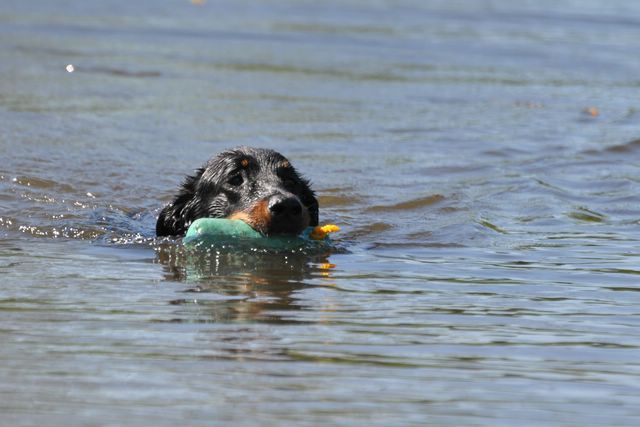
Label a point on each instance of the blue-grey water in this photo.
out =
(481, 157)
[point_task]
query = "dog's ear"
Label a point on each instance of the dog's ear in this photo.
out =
(175, 218)
(310, 201)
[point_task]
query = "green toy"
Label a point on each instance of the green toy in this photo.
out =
(219, 231)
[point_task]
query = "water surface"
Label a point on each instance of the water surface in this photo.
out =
(481, 158)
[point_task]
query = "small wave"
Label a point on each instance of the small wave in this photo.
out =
(586, 215)
(120, 72)
(628, 147)
(43, 184)
(409, 204)
(625, 148)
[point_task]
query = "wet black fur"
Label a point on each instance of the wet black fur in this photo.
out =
(223, 186)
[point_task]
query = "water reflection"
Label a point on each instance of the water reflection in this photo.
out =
(230, 286)
(475, 156)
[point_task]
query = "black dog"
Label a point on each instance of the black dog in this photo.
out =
(255, 185)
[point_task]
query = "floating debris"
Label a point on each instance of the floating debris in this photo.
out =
(591, 111)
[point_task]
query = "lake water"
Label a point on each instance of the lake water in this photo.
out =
(480, 157)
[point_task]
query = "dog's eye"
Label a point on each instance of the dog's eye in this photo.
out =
(236, 180)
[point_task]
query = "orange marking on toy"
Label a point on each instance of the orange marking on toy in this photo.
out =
(326, 266)
(321, 231)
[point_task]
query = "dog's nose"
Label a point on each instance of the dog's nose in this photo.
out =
(283, 206)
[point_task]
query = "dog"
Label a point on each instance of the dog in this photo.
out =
(256, 185)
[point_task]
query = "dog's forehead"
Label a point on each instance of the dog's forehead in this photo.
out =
(256, 159)
(265, 158)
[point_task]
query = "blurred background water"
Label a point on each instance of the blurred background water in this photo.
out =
(481, 158)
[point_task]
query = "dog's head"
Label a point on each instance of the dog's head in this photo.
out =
(255, 185)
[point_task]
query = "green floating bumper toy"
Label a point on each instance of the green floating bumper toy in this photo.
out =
(218, 231)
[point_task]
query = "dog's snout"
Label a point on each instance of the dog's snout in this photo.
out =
(287, 215)
(283, 206)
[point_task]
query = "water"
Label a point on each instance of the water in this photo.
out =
(479, 156)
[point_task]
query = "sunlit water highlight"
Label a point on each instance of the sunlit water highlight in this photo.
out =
(482, 159)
